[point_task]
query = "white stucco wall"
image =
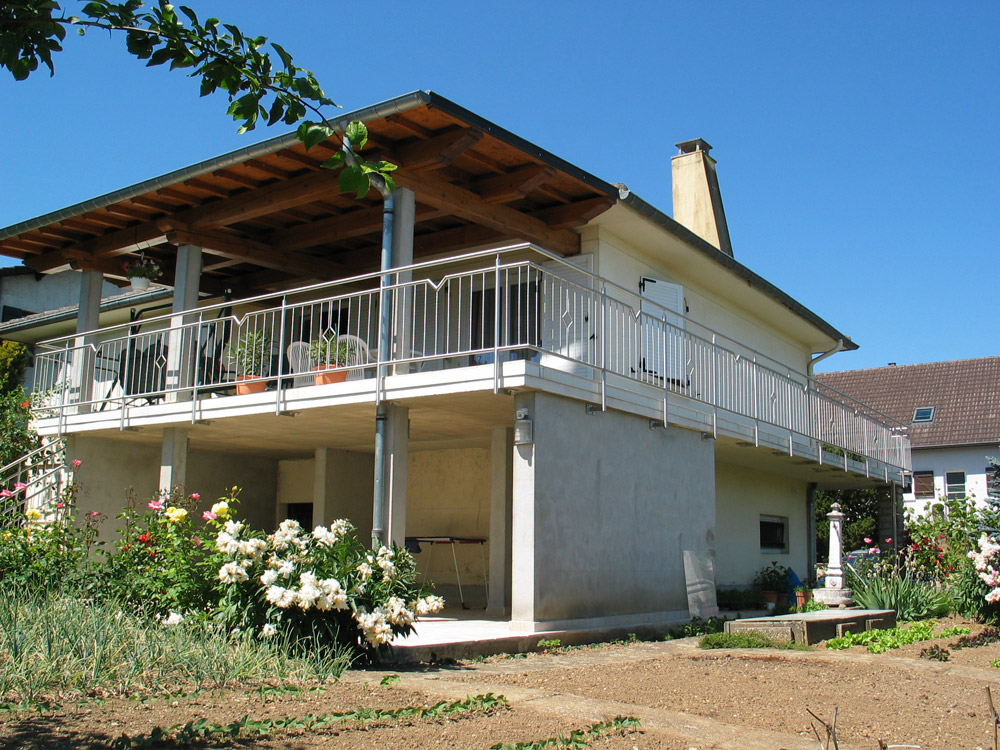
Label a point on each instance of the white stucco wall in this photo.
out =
(49, 292)
(110, 467)
(742, 495)
(603, 508)
(448, 494)
(625, 265)
(971, 460)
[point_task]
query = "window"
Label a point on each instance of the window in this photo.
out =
(923, 414)
(954, 482)
(773, 534)
(993, 481)
(923, 485)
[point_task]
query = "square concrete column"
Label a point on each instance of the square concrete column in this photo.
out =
(522, 529)
(181, 343)
(173, 459)
(88, 319)
(397, 443)
(501, 485)
(403, 220)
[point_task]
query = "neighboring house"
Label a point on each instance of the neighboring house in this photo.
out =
(598, 392)
(953, 412)
(24, 293)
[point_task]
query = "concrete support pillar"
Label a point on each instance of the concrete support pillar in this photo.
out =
(87, 321)
(522, 530)
(173, 459)
(404, 218)
(181, 344)
(810, 573)
(397, 456)
(322, 513)
(501, 485)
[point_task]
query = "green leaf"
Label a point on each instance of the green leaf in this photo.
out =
(351, 179)
(334, 162)
(386, 166)
(94, 10)
(311, 133)
(286, 59)
(357, 134)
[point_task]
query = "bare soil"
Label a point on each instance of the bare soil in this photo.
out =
(685, 698)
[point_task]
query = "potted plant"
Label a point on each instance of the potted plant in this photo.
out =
(772, 580)
(802, 595)
(251, 352)
(140, 272)
(330, 354)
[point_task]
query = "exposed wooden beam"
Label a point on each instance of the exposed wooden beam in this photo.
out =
(157, 205)
(253, 203)
(509, 187)
(436, 192)
(208, 187)
(258, 253)
(131, 213)
(408, 124)
(353, 224)
(458, 238)
(574, 214)
(436, 152)
(238, 177)
(139, 237)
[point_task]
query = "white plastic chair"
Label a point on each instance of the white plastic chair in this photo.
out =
(358, 355)
(300, 361)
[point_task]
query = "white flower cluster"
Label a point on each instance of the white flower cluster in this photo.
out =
(429, 605)
(989, 574)
(289, 534)
(324, 595)
(288, 565)
(374, 626)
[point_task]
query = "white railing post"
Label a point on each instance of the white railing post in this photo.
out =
(496, 325)
(604, 347)
(281, 355)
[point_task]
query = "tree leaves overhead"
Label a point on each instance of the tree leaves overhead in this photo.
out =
(221, 55)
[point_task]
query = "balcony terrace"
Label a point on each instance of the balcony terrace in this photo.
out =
(471, 329)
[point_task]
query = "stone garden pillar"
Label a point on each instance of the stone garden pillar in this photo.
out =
(833, 594)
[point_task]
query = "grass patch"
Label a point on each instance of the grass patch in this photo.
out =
(880, 641)
(202, 731)
(61, 646)
(621, 725)
(746, 639)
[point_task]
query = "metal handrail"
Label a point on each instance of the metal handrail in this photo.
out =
(643, 330)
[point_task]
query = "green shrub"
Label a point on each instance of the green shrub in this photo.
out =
(13, 362)
(55, 644)
(16, 436)
(885, 586)
(745, 639)
(880, 641)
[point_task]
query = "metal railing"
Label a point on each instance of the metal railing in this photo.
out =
(32, 481)
(480, 308)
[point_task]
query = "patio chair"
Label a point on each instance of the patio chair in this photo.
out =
(300, 362)
(358, 355)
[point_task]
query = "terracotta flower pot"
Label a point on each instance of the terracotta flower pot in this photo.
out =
(244, 388)
(326, 375)
(801, 597)
(770, 597)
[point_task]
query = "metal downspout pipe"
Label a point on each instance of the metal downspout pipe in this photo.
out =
(385, 319)
(812, 362)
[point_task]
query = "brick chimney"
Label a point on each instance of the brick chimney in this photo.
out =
(697, 200)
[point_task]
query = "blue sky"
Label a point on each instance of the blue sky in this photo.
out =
(856, 143)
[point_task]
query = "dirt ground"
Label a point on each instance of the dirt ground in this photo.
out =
(684, 697)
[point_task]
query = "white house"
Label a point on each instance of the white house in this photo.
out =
(537, 363)
(26, 296)
(953, 412)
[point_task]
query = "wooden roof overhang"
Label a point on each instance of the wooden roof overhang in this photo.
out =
(268, 217)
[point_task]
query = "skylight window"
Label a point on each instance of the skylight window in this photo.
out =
(923, 414)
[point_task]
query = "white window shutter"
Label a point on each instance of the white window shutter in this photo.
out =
(663, 345)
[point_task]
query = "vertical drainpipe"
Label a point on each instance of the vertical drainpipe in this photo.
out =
(378, 499)
(810, 532)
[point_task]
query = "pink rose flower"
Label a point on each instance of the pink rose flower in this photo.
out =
(60, 505)
(6, 493)
(867, 540)
(889, 540)
(76, 462)
(209, 515)
(156, 505)
(195, 496)
(20, 486)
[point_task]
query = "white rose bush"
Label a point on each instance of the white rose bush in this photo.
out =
(314, 584)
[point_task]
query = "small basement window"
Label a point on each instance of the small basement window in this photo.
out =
(773, 534)
(955, 484)
(923, 414)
